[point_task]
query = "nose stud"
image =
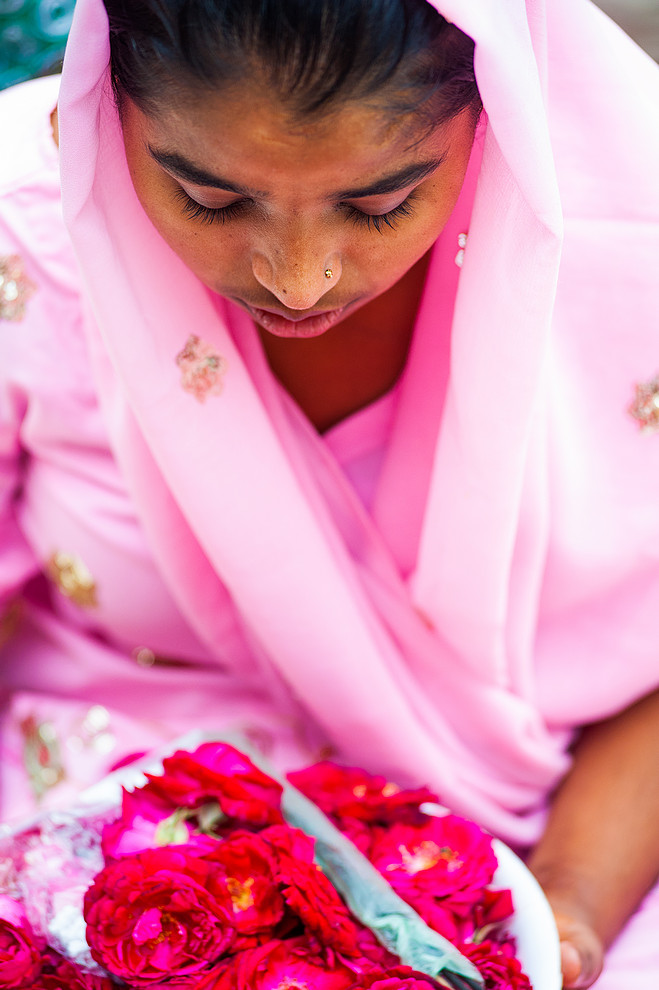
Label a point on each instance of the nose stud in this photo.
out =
(329, 273)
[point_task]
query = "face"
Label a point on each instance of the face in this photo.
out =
(299, 222)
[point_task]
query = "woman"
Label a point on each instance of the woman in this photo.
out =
(325, 423)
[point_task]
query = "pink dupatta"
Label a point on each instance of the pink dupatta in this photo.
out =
(451, 673)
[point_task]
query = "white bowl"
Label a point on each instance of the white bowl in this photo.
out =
(532, 925)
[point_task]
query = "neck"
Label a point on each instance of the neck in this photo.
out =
(354, 363)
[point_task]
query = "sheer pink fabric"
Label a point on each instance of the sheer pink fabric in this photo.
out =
(505, 586)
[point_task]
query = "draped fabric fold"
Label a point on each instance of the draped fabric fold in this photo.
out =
(409, 636)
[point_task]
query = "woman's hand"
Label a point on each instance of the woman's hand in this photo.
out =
(599, 854)
(582, 951)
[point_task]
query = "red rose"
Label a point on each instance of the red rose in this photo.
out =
(290, 963)
(289, 847)
(218, 772)
(398, 978)
(318, 906)
(60, 974)
(160, 915)
(497, 964)
(248, 867)
(368, 955)
(492, 909)
(220, 977)
(20, 950)
(348, 792)
(448, 857)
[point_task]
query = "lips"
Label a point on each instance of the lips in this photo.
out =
(297, 324)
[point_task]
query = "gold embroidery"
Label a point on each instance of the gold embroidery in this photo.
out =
(69, 574)
(10, 621)
(42, 755)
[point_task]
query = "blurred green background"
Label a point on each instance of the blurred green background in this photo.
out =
(33, 32)
(32, 37)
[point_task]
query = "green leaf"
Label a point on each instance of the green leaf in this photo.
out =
(172, 831)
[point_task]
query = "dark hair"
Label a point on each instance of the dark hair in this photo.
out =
(311, 53)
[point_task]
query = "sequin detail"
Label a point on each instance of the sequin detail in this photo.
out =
(93, 733)
(73, 579)
(462, 244)
(15, 288)
(202, 369)
(143, 656)
(645, 407)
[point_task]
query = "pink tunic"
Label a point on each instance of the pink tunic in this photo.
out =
(521, 580)
(81, 662)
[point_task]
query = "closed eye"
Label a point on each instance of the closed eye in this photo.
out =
(378, 221)
(193, 210)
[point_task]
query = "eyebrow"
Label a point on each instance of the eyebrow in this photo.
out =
(182, 168)
(400, 179)
(179, 166)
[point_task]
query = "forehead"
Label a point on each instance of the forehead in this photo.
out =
(253, 132)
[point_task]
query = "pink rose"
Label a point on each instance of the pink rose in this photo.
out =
(448, 857)
(498, 965)
(348, 792)
(147, 822)
(218, 772)
(160, 915)
(20, 950)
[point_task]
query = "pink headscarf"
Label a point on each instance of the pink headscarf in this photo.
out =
(519, 491)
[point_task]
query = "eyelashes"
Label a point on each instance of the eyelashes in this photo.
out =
(378, 221)
(192, 210)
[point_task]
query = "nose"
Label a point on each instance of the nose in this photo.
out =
(299, 277)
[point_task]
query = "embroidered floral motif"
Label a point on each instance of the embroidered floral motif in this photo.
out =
(462, 244)
(202, 369)
(645, 407)
(47, 749)
(42, 755)
(15, 288)
(73, 579)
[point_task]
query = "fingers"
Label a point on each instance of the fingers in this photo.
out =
(582, 953)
